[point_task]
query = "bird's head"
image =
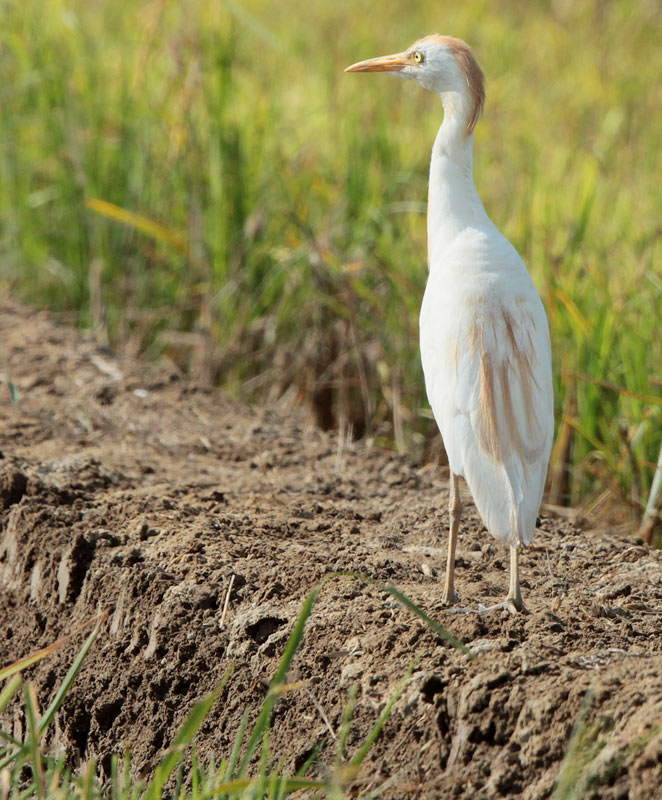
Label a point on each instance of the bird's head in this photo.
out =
(443, 64)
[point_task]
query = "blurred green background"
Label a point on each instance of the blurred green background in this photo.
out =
(200, 181)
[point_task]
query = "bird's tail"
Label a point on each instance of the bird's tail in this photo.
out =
(507, 497)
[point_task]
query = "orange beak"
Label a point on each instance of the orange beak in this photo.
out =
(394, 63)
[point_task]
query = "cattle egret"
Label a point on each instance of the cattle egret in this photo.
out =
(484, 336)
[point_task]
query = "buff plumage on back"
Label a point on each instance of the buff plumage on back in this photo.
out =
(502, 444)
(473, 74)
(490, 388)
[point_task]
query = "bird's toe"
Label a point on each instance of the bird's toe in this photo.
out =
(515, 606)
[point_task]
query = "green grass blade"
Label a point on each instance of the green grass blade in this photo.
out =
(65, 686)
(26, 793)
(181, 742)
(363, 751)
(261, 785)
(16, 755)
(242, 785)
(28, 661)
(9, 691)
(183, 739)
(282, 789)
(261, 724)
(87, 785)
(435, 626)
(9, 738)
(126, 776)
(179, 780)
(345, 726)
(383, 787)
(581, 749)
(295, 638)
(264, 719)
(115, 790)
(312, 758)
(31, 712)
(238, 742)
(57, 777)
(9, 753)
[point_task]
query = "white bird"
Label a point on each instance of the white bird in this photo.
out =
(484, 337)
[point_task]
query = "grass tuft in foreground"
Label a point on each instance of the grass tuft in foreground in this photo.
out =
(249, 771)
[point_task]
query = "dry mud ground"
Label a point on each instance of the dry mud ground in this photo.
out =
(125, 486)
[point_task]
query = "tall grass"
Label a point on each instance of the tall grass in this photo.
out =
(200, 179)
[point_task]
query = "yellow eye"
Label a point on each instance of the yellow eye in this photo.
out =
(419, 58)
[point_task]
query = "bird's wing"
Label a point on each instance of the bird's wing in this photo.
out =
(490, 388)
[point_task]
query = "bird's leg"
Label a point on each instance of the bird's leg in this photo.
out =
(513, 602)
(514, 598)
(455, 513)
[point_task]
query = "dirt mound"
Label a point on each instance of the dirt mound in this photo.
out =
(125, 486)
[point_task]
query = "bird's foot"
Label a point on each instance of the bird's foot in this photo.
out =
(450, 598)
(513, 605)
(454, 608)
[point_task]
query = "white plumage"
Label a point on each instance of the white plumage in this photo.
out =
(484, 336)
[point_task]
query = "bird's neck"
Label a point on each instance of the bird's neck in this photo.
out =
(453, 202)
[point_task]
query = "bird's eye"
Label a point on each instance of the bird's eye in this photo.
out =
(419, 58)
